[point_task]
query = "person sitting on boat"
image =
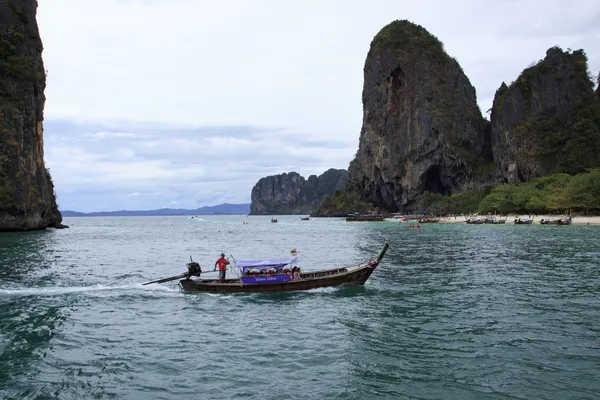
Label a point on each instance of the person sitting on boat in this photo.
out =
(222, 263)
(296, 273)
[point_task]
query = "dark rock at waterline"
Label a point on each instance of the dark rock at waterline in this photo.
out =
(290, 193)
(27, 199)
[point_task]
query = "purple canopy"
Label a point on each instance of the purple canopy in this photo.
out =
(269, 262)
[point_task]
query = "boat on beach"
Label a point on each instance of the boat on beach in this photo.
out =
(475, 220)
(556, 221)
(396, 218)
(369, 218)
(523, 221)
(428, 220)
(549, 221)
(494, 220)
(274, 275)
(565, 221)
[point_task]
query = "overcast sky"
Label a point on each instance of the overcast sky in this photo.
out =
(186, 103)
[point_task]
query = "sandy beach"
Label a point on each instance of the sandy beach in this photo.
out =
(577, 220)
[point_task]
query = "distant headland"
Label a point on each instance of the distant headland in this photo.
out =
(220, 209)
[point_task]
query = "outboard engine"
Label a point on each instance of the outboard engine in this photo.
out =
(193, 269)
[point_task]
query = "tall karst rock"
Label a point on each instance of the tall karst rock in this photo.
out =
(548, 120)
(290, 193)
(27, 199)
(422, 129)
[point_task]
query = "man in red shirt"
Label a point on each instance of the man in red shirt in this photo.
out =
(222, 263)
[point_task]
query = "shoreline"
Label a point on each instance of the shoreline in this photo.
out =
(510, 219)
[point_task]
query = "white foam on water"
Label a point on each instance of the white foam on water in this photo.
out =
(60, 290)
(330, 289)
(220, 295)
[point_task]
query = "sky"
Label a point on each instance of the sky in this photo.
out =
(188, 103)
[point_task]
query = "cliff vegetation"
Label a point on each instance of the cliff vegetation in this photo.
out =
(422, 128)
(552, 193)
(424, 144)
(548, 120)
(290, 193)
(27, 198)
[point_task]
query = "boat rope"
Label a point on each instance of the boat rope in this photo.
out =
(236, 269)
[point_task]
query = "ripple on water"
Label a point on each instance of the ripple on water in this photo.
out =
(454, 311)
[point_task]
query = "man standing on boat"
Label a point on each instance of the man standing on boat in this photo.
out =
(222, 263)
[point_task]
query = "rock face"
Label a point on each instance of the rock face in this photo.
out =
(27, 199)
(422, 129)
(543, 122)
(292, 194)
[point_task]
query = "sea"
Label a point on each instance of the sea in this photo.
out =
(453, 311)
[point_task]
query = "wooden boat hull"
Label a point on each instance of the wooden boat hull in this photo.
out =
(475, 222)
(365, 218)
(526, 222)
(357, 275)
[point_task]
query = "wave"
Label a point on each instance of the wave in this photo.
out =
(60, 290)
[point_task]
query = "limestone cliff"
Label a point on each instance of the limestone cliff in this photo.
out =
(290, 193)
(547, 120)
(27, 199)
(422, 129)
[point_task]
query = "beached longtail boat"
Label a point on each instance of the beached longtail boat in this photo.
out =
(271, 275)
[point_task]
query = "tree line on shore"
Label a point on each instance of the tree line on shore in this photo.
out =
(556, 193)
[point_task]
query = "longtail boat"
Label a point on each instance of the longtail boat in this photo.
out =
(494, 220)
(476, 220)
(565, 221)
(275, 275)
(428, 220)
(556, 221)
(523, 221)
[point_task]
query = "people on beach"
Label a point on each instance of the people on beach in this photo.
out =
(222, 264)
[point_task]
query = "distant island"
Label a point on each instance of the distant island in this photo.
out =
(220, 209)
(290, 193)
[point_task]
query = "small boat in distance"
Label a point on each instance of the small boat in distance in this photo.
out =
(428, 220)
(368, 217)
(476, 220)
(273, 220)
(304, 218)
(397, 218)
(523, 221)
(556, 221)
(275, 275)
(494, 220)
(565, 221)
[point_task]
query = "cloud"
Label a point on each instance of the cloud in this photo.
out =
(106, 168)
(193, 101)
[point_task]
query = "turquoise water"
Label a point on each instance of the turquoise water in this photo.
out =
(453, 312)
